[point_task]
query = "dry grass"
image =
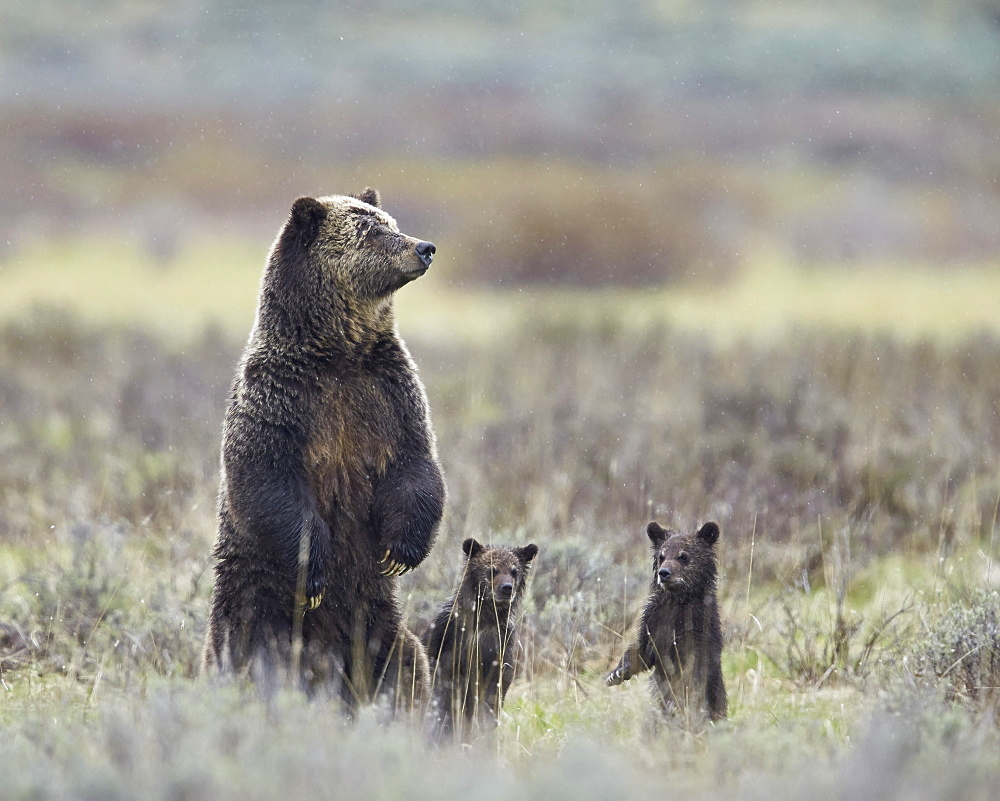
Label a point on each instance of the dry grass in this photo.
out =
(859, 470)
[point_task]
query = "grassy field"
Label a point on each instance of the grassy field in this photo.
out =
(214, 282)
(843, 428)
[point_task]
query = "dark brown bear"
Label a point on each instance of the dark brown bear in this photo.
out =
(680, 635)
(330, 481)
(472, 644)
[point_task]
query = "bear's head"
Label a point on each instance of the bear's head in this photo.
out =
(342, 247)
(684, 565)
(497, 572)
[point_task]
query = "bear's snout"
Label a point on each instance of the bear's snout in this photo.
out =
(505, 591)
(425, 252)
(663, 574)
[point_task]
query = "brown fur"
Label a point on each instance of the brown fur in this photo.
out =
(472, 644)
(330, 477)
(407, 678)
(680, 634)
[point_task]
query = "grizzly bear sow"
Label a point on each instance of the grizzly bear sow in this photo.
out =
(330, 481)
(680, 635)
(472, 644)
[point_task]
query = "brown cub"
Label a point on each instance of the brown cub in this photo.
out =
(680, 635)
(472, 644)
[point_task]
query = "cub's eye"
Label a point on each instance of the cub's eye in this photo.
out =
(513, 574)
(683, 558)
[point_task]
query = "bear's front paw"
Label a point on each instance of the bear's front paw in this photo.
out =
(614, 678)
(315, 587)
(399, 559)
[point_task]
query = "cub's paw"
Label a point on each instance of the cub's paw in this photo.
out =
(614, 678)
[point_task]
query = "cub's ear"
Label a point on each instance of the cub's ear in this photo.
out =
(472, 547)
(656, 533)
(371, 197)
(709, 532)
(527, 553)
(305, 219)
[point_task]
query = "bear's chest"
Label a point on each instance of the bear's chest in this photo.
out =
(679, 640)
(355, 437)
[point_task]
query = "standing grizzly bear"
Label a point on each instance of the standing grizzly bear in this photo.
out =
(472, 644)
(330, 482)
(680, 635)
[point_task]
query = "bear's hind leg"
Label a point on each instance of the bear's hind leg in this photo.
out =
(405, 681)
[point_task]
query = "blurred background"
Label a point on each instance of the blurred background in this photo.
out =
(584, 144)
(728, 259)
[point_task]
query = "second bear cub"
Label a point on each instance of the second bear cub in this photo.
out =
(472, 644)
(680, 635)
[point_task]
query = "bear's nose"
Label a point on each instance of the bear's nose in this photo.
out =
(664, 573)
(506, 590)
(426, 251)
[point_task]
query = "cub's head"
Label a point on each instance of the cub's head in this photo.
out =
(684, 565)
(496, 571)
(350, 243)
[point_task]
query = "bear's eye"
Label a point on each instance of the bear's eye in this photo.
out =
(372, 229)
(513, 573)
(683, 558)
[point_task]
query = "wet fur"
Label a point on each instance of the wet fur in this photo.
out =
(329, 460)
(680, 633)
(472, 644)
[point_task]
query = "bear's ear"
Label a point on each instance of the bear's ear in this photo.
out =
(656, 533)
(472, 547)
(305, 219)
(526, 554)
(371, 197)
(709, 532)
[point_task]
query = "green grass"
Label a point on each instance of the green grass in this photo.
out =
(214, 282)
(851, 464)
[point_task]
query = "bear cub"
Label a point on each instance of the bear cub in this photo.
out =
(680, 634)
(472, 645)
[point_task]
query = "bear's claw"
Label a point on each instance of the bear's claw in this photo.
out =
(314, 589)
(614, 678)
(393, 567)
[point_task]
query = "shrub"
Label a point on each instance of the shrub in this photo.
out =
(579, 225)
(959, 654)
